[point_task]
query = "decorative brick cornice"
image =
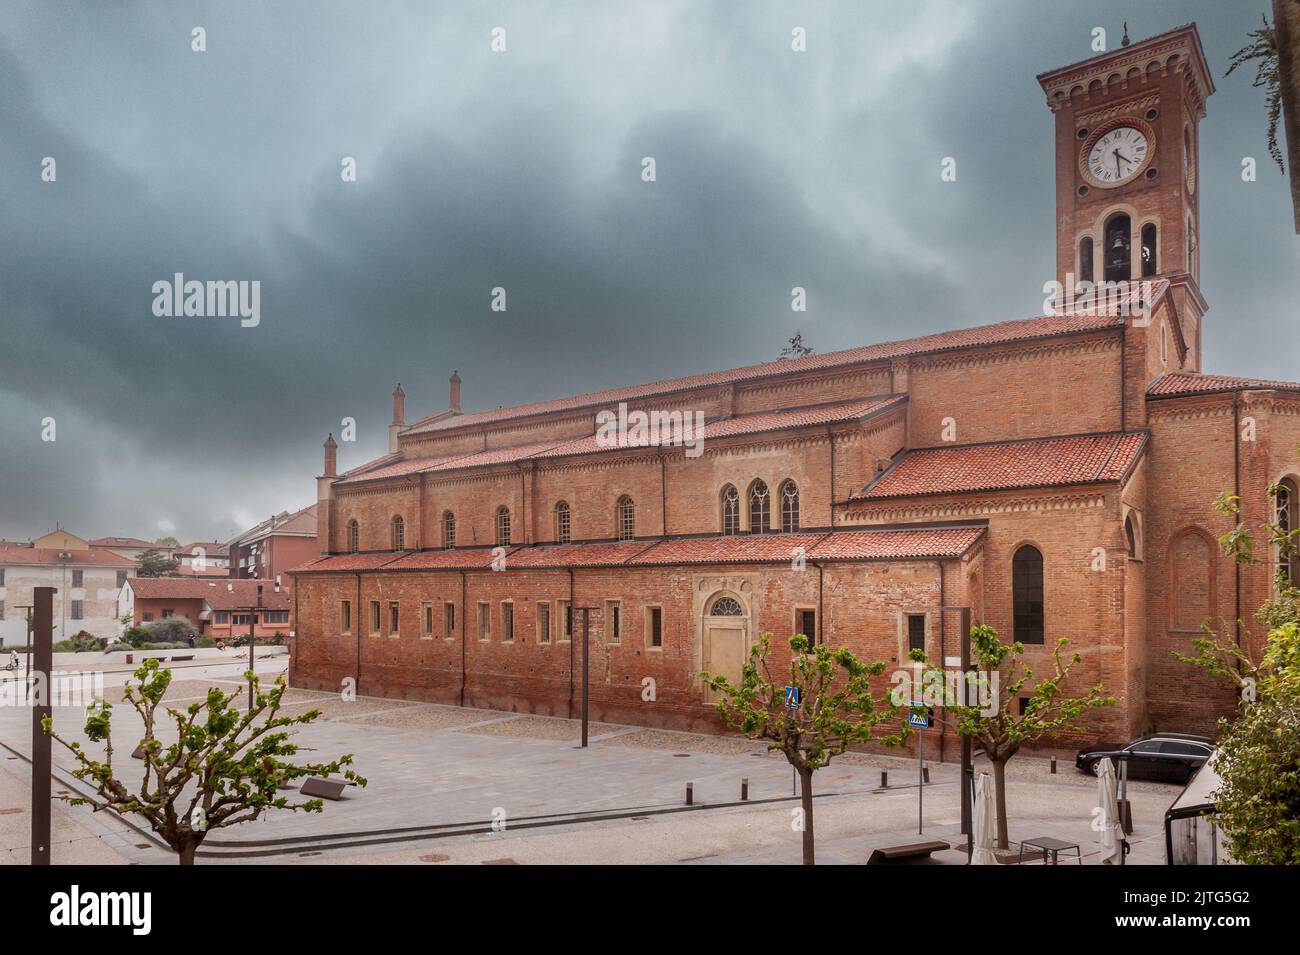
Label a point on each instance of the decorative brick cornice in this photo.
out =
(853, 515)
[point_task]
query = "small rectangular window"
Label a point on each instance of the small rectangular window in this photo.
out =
(449, 620)
(484, 621)
(167, 611)
(426, 621)
(375, 622)
(78, 578)
(2, 609)
(223, 617)
(345, 616)
(78, 610)
(916, 631)
(543, 623)
(392, 619)
(507, 622)
(121, 579)
(565, 610)
(655, 626)
(146, 618)
(806, 621)
(613, 621)
(275, 616)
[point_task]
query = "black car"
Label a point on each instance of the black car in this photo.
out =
(1163, 757)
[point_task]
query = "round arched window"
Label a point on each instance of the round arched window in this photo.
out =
(726, 607)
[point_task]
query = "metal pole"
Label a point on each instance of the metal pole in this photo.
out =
(920, 782)
(43, 634)
(586, 656)
(967, 756)
(252, 639)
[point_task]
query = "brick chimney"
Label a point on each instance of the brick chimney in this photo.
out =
(331, 456)
(455, 391)
(325, 496)
(399, 417)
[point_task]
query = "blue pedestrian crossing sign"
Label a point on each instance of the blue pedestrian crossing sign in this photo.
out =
(792, 697)
(919, 720)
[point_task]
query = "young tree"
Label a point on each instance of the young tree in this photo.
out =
(996, 723)
(226, 767)
(835, 707)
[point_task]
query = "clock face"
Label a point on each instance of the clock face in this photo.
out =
(1118, 155)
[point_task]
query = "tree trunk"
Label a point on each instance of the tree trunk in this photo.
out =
(185, 855)
(806, 796)
(1000, 791)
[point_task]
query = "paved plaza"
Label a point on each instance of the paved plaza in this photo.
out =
(460, 785)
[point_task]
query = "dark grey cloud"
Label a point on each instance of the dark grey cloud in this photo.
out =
(522, 170)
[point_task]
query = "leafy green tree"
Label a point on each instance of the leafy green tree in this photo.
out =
(998, 724)
(836, 707)
(171, 630)
(155, 563)
(167, 542)
(1257, 804)
(1262, 50)
(226, 767)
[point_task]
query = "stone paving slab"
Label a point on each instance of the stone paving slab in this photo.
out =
(427, 718)
(541, 727)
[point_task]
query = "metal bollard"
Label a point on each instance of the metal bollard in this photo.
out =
(1053, 765)
(690, 794)
(744, 788)
(884, 779)
(925, 775)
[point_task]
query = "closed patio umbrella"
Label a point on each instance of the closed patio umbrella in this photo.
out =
(983, 822)
(1112, 834)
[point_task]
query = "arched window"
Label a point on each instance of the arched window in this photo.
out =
(503, 526)
(562, 533)
(730, 510)
(726, 607)
(760, 508)
(1085, 259)
(789, 507)
(626, 518)
(1286, 505)
(354, 537)
(399, 533)
(1117, 248)
(1134, 537)
(1027, 594)
(1191, 580)
(448, 530)
(1149, 250)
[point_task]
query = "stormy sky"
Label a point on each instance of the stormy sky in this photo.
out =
(522, 170)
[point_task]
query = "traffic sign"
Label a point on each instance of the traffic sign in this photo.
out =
(792, 697)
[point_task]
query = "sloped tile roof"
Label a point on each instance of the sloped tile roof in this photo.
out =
(855, 410)
(120, 542)
(1005, 332)
(900, 544)
(907, 543)
(12, 552)
(1037, 462)
(1178, 384)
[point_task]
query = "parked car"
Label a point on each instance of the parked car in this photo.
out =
(1163, 757)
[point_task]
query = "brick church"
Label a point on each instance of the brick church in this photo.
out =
(1053, 475)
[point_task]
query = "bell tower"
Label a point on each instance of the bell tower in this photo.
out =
(1127, 153)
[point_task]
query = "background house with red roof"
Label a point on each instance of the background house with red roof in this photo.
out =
(88, 579)
(130, 547)
(217, 608)
(271, 548)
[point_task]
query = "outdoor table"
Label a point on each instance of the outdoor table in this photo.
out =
(1050, 845)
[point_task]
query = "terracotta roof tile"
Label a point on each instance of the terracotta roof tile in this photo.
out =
(1004, 332)
(1167, 386)
(120, 542)
(903, 544)
(12, 552)
(1038, 462)
(867, 544)
(857, 409)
